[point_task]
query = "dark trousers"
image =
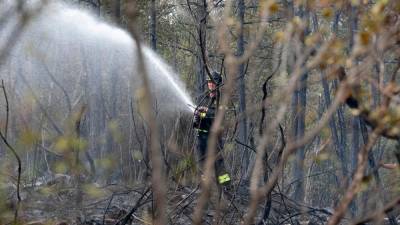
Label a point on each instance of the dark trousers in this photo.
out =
(202, 140)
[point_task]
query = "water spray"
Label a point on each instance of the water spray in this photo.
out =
(91, 48)
(191, 107)
(168, 75)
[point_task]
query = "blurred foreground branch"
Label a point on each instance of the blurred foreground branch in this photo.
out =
(389, 207)
(146, 102)
(23, 16)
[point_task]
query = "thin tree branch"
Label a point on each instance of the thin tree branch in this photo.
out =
(7, 108)
(41, 107)
(389, 207)
(58, 85)
(128, 216)
(263, 108)
(14, 152)
(357, 179)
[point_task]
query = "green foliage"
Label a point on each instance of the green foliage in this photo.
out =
(322, 157)
(93, 191)
(137, 155)
(115, 130)
(29, 137)
(185, 169)
(65, 144)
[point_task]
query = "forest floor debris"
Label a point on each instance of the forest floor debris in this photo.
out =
(60, 201)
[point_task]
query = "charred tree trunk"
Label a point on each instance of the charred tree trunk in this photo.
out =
(94, 4)
(340, 148)
(202, 44)
(117, 11)
(355, 145)
(153, 25)
(341, 124)
(299, 126)
(242, 135)
(298, 170)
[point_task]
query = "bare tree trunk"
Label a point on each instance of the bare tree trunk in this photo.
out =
(117, 11)
(341, 128)
(295, 99)
(202, 44)
(355, 145)
(153, 25)
(298, 169)
(340, 148)
(242, 135)
(95, 4)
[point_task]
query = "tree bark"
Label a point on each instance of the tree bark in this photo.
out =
(242, 126)
(201, 17)
(340, 148)
(117, 11)
(299, 126)
(300, 153)
(355, 145)
(153, 25)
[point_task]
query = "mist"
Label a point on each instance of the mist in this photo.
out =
(67, 59)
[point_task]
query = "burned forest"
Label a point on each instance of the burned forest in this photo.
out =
(264, 112)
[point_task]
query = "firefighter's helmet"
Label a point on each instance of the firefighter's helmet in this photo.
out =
(216, 77)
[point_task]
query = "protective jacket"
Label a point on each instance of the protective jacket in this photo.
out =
(203, 120)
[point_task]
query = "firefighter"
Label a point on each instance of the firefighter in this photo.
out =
(203, 118)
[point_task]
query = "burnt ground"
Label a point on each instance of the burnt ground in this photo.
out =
(64, 202)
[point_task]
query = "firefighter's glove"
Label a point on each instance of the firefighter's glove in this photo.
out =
(202, 111)
(199, 114)
(196, 120)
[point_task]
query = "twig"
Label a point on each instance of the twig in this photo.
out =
(389, 207)
(358, 176)
(7, 108)
(183, 208)
(59, 85)
(183, 200)
(4, 138)
(300, 213)
(42, 108)
(284, 202)
(283, 140)
(243, 144)
(127, 217)
(136, 133)
(265, 95)
(76, 165)
(259, 193)
(268, 203)
(108, 206)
